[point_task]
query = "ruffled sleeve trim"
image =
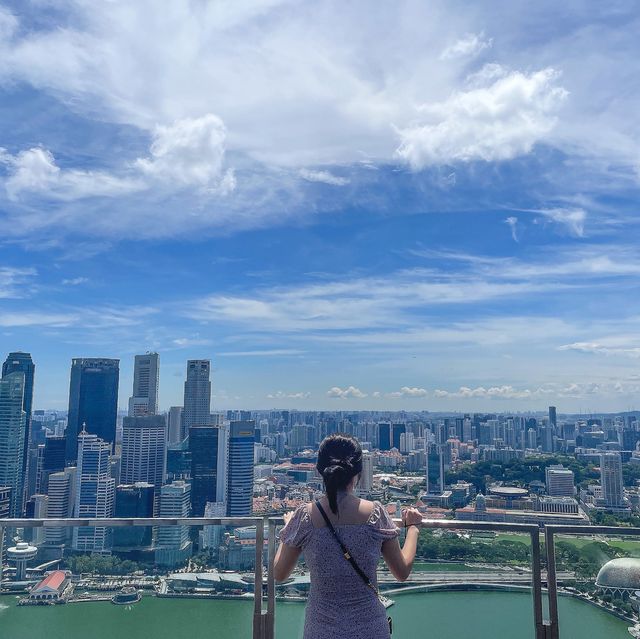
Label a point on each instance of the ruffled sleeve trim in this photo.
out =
(381, 523)
(296, 532)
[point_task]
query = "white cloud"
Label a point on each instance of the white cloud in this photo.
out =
(469, 46)
(283, 395)
(75, 281)
(408, 391)
(189, 153)
(187, 342)
(613, 346)
(346, 393)
(323, 176)
(512, 223)
(500, 120)
(572, 219)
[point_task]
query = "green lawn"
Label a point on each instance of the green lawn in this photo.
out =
(631, 546)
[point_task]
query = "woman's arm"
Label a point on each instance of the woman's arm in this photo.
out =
(286, 558)
(285, 561)
(400, 560)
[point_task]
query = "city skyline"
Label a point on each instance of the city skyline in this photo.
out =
(442, 221)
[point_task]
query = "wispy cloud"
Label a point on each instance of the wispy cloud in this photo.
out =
(283, 395)
(512, 223)
(469, 46)
(323, 176)
(13, 281)
(572, 220)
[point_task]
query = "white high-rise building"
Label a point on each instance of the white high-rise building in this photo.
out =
(611, 480)
(406, 442)
(144, 450)
(197, 395)
(40, 509)
(144, 400)
(95, 493)
(173, 545)
(366, 477)
(560, 481)
(61, 500)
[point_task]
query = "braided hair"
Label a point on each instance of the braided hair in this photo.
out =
(339, 461)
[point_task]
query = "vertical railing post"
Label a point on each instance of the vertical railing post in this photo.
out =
(257, 582)
(270, 617)
(536, 584)
(552, 583)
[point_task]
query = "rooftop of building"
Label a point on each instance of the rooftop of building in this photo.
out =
(621, 573)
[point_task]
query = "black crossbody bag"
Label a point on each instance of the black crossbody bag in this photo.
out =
(347, 555)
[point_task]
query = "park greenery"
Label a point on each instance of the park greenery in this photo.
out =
(521, 472)
(101, 565)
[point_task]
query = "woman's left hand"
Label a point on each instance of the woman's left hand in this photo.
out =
(287, 517)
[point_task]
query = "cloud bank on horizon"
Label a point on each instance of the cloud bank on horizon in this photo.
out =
(408, 202)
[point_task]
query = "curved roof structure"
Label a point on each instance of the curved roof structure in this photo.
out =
(620, 573)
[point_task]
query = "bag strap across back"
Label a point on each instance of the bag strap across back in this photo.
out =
(347, 555)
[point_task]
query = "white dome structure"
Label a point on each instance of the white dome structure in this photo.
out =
(20, 554)
(619, 577)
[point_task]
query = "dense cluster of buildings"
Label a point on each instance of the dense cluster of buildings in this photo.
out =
(94, 462)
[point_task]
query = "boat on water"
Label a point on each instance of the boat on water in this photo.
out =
(634, 631)
(128, 595)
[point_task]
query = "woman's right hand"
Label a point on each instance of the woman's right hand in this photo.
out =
(411, 517)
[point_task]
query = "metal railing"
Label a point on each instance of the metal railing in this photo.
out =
(264, 615)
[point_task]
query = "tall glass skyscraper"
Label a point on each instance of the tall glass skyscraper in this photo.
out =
(209, 453)
(197, 395)
(13, 423)
(144, 400)
(19, 362)
(240, 473)
(93, 400)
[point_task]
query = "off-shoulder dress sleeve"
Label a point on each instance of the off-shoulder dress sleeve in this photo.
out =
(296, 532)
(382, 525)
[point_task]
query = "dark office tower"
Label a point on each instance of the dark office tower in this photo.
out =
(384, 436)
(22, 363)
(197, 394)
(133, 500)
(209, 449)
(53, 460)
(553, 420)
(178, 461)
(13, 422)
(398, 429)
(93, 400)
(240, 473)
(144, 400)
(144, 450)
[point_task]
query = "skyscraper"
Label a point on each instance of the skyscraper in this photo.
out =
(365, 485)
(384, 436)
(197, 395)
(13, 423)
(144, 450)
(134, 500)
(95, 493)
(144, 400)
(61, 494)
(240, 473)
(53, 461)
(398, 429)
(611, 480)
(173, 545)
(19, 362)
(553, 419)
(209, 447)
(560, 481)
(175, 433)
(93, 400)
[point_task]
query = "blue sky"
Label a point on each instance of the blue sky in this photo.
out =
(409, 205)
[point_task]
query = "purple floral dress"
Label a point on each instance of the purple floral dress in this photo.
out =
(340, 604)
